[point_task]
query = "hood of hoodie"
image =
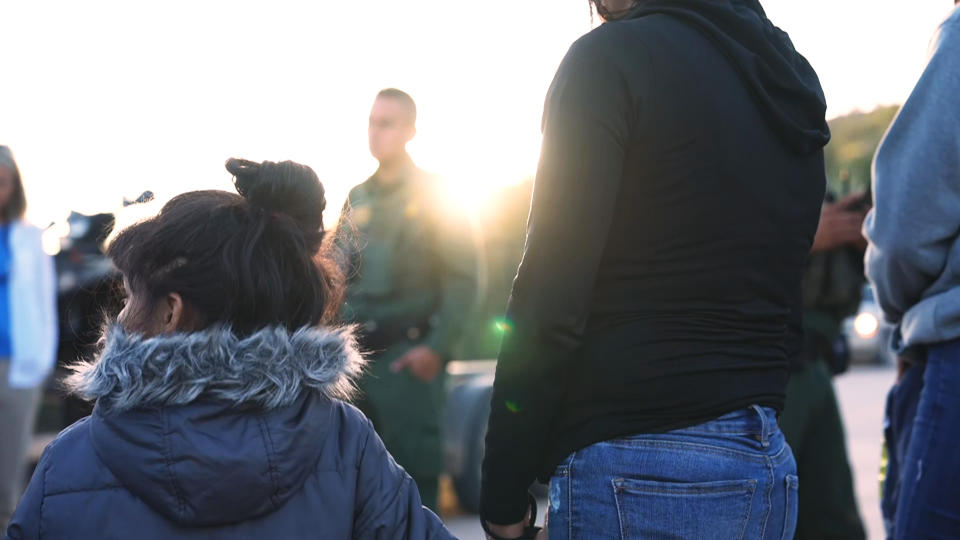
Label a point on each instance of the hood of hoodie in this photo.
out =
(211, 429)
(780, 80)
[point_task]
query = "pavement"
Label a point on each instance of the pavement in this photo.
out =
(862, 393)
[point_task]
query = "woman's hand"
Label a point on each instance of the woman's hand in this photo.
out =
(507, 531)
(516, 530)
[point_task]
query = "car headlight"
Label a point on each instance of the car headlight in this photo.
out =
(866, 325)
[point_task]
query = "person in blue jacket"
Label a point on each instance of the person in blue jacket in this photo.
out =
(28, 330)
(218, 390)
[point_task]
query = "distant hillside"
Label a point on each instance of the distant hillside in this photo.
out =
(854, 141)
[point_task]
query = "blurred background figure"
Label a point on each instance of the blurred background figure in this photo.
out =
(28, 330)
(412, 285)
(832, 290)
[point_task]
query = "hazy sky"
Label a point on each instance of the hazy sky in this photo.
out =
(101, 100)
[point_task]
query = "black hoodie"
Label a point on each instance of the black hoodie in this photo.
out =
(678, 193)
(781, 81)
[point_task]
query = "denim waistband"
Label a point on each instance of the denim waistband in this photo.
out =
(755, 420)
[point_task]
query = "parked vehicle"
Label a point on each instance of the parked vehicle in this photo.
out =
(465, 426)
(87, 292)
(868, 334)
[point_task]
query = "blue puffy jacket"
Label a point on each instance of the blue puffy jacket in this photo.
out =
(205, 435)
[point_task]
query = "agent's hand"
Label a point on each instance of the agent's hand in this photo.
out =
(840, 225)
(423, 362)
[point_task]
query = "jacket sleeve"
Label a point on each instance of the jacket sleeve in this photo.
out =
(35, 327)
(916, 212)
(455, 252)
(48, 298)
(588, 117)
(25, 524)
(388, 502)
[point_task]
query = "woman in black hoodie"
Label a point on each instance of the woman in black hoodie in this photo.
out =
(657, 303)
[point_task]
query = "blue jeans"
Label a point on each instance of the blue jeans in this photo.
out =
(733, 477)
(921, 492)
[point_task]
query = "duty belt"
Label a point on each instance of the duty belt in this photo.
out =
(376, 337)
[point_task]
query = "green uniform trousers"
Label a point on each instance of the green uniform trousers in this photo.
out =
(813, 428)
(406, 412)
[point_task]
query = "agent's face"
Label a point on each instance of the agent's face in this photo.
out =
(390, 129)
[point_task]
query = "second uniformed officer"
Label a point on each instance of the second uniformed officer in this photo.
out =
(411, 288)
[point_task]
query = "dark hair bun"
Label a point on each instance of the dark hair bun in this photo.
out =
(286, 188)
(250, 261)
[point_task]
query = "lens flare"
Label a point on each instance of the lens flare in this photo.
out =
(502, 326)
(52, 236)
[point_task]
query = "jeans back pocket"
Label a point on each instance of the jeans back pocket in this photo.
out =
(669, 510)
(790, 514)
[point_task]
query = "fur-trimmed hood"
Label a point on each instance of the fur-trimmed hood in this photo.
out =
(265, 370)
(209, 429)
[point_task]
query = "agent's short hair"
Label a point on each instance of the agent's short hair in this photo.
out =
(405, 99)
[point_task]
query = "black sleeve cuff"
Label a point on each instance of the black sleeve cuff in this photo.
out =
(504, 508)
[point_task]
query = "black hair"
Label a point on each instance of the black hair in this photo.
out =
(16, 207)
(606, 14)
(404, 98)
(249, 261)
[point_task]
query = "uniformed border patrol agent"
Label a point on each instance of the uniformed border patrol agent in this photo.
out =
(832, 288)
(411, 287)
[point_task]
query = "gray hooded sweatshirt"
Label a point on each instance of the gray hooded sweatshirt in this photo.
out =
(914, 230)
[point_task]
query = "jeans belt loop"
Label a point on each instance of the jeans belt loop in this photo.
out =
(765, 429)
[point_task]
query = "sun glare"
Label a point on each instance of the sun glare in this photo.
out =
(102, 104)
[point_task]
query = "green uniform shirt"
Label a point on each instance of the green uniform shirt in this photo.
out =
(412, 268)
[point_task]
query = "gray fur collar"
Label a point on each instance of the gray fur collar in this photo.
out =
(268, 369)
